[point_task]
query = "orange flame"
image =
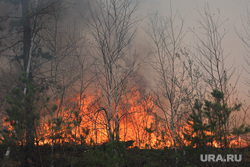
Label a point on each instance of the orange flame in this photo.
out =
(81, 122)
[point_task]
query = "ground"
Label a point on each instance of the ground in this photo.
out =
(113, 154)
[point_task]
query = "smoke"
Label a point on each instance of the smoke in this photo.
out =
(75, 12)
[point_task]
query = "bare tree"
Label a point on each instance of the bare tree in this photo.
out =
(65, 66)
(245, 38)
(112, 27)
(167, 60)
(210, 53)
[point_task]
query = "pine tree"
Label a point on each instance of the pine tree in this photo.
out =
(196, 133)
(24, 113)
(209, 123)
(217, 114)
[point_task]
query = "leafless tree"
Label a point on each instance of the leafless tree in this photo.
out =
(167, 60)
(245, 38)
(244, 35)
(65, 67)
(112, 26)
(210, 53)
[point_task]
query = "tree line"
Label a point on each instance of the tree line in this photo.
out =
(49, 67)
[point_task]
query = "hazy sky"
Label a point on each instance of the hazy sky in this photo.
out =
(231, 10)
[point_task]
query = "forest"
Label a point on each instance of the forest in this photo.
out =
(80, 86)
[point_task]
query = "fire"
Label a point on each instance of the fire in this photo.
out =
(82, 122)
(238, 141)
(234, 141)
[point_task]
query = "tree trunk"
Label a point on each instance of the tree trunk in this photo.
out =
(27, 53)
(26, 33)
(110, 115)
(116, 108)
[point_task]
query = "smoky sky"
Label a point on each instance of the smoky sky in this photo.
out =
(76, 11)
(233, 11)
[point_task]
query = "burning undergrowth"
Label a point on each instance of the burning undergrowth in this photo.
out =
(83, 121)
